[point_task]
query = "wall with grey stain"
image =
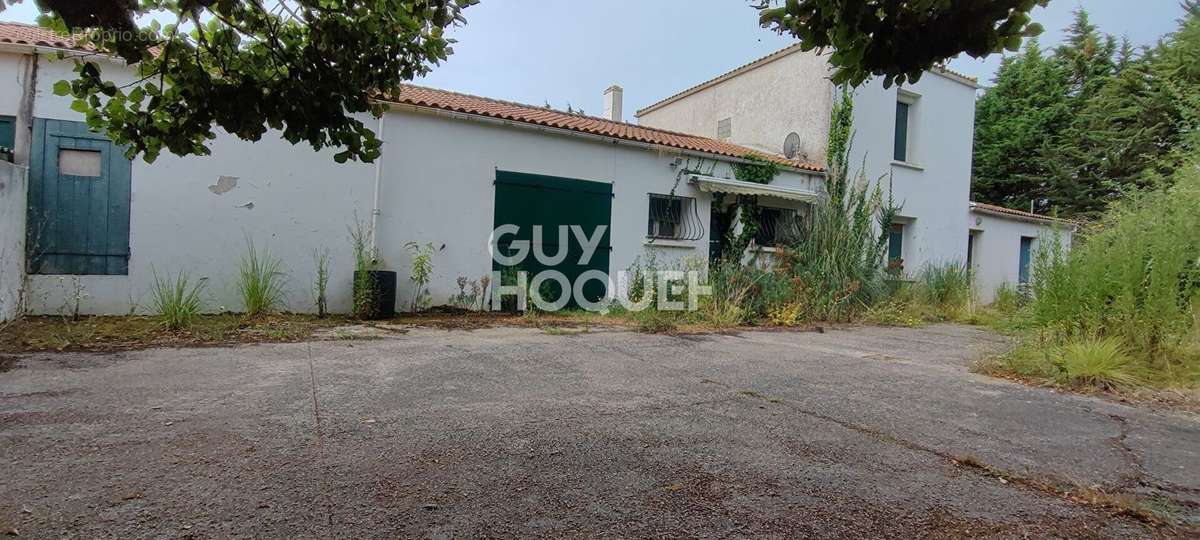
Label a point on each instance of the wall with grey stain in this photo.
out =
(791, 93)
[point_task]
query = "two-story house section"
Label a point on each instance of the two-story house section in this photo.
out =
(915, 139)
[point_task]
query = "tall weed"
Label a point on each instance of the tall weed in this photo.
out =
(1135, 276)
(260, 281)
(835, 257)
(946, 288)
(177, 302)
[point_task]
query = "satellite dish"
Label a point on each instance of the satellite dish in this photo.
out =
(791, 145)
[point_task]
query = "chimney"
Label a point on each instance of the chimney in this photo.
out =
(612, 103)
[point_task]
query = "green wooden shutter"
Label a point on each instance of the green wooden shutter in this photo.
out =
(1025, 256)
(901, 152)
(896, 243)
(78, 224)
(8, 132)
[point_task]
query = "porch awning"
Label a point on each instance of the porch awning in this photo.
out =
(711, 184)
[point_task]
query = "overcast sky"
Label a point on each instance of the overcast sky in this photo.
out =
(568, 52)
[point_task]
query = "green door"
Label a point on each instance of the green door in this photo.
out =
(79, 186)
(526, 200)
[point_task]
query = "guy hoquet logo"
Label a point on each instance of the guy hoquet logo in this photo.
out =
(667, 285)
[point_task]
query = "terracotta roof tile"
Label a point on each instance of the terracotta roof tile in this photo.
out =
(24, 34)
(993, 209)
(464, 103)
(421, 96)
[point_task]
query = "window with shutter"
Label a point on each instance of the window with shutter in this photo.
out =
(79, 185)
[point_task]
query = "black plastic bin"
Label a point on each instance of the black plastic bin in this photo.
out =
(375, 294)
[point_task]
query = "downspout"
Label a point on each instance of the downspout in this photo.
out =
(378, 180)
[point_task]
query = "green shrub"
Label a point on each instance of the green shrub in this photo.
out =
(835, 258)
(946, 289)
(895, 313)
(736, 295)
(1006, 299)
(321, 284)
(420, 274)
(175, 301)
(366, 259)
(260, 281)
(1135, 277)
(1095, 363)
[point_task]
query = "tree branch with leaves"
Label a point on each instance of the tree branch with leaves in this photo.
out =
(303, 67)
(900, 40)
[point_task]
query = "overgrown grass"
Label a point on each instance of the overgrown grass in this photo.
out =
(260, 281)
(835, 258)
(1123, 308)
(1096, 363)
(100, 333)
(947, 288)
(177, 302)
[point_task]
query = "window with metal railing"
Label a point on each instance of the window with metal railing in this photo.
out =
(776, 226)
(673, 218)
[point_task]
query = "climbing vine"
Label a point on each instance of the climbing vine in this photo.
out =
(756, 169)
(736, 242)
(745, 207)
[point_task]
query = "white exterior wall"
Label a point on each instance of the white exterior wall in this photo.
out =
(302, 200)
(12, 239)
(437, 186)
(934, 186)
(449, 200)
(13, 189)
(997, 249)
(791, 93)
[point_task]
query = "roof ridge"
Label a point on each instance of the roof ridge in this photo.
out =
(559, 111)
(436, 98)
(940, 69)
(1016, 212)
(753, 63)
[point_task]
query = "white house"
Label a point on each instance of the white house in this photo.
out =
(916, 138)
(85, 229)
(98, 226)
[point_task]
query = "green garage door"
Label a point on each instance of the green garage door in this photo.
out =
(526, 200)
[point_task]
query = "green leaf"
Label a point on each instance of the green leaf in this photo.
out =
(62, 88)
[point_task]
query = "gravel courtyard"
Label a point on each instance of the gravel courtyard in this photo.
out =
(513, 432)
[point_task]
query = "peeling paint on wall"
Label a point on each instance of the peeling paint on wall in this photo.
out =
(224, 184)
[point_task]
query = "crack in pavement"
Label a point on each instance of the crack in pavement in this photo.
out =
(1136, 474)
(320, 440)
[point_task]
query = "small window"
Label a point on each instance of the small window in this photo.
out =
(896, 247)
(773, 226)
(1025, 257)
(79, 162)
(668, 216)
(725, 128)
(902, 114)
